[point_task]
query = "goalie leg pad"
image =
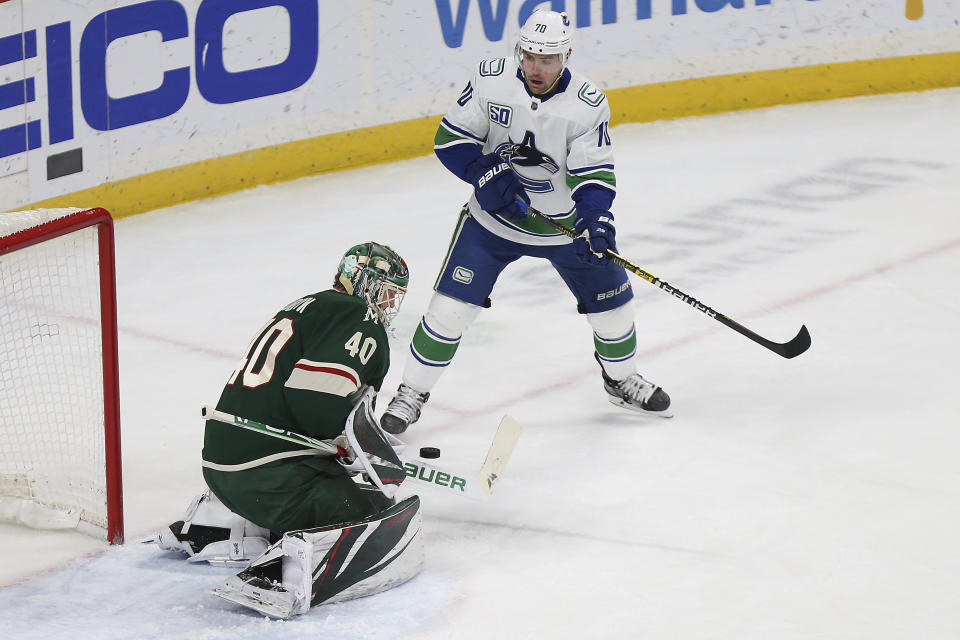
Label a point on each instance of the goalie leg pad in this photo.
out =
(332, 564)
(210, 532)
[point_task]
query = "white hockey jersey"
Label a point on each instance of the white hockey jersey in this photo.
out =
(556, 145)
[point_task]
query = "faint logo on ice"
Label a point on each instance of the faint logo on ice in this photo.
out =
(745, 232)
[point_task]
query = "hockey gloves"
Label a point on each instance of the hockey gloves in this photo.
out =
(497, 187)
(595, 234)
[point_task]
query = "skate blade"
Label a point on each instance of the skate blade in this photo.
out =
(623, 404)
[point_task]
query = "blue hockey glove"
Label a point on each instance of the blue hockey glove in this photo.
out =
(498, 187)
(595, 235)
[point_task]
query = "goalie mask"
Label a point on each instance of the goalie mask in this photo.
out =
(376, 274)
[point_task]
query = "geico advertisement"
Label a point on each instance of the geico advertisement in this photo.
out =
(100, 91)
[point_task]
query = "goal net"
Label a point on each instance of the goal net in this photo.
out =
(59, 406)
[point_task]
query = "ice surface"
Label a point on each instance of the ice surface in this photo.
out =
(810, 498)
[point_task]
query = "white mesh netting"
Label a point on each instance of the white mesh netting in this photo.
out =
(52, 460)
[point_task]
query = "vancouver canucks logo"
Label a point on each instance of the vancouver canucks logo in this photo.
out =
(526, 159)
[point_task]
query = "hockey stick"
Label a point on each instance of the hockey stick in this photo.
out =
(328, 447)
(477, 485)
(790, 349)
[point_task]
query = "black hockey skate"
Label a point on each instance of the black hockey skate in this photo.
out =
(403, 410)
(636, 393)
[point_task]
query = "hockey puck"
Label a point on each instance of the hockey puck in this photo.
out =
(429, 452)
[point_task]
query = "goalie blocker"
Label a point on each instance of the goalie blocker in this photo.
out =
(331, 564)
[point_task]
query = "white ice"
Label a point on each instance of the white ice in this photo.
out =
(810, 498)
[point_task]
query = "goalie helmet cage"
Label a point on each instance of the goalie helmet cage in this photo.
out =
(59, 385)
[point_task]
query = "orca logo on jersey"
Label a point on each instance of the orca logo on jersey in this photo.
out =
(523, 156)
(526, 154)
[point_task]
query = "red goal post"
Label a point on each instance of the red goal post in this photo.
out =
(60, 463)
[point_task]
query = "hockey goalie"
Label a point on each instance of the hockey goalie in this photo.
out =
(310, 524)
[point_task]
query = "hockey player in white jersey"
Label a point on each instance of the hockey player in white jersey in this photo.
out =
(529, 128)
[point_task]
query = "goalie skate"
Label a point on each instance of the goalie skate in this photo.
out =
(259, 587)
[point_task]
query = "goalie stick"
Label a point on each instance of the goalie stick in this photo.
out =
(790, 349)
(477, 485)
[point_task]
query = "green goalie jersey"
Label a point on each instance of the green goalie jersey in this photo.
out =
(297, 375)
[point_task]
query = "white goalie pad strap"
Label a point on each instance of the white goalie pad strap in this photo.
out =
(195, 504)
(373, 448)
(235, 551)
(207, 510)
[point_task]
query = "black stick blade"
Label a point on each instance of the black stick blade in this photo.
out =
(799, 344)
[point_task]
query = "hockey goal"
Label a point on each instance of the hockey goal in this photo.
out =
(59, 401)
